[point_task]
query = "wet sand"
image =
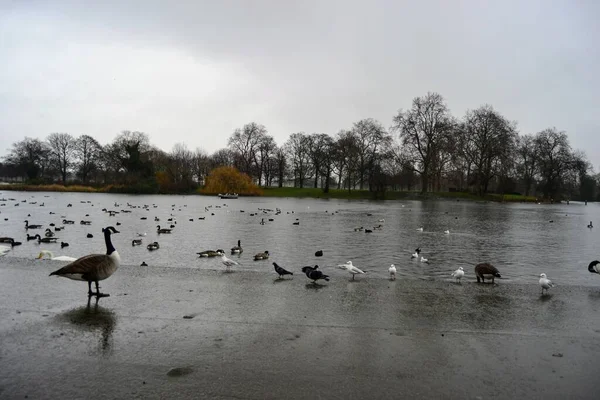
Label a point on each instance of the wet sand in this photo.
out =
(189, 333)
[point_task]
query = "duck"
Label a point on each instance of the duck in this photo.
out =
(84, 222)
(593, 267)
(163, 230)
(50, 255)
(64, 244)
(89, 236)
(319, 253)
(136, 242)
(210, 253)
(486, 270)
(237, 249)
(392, 271)
(351, 269)
(68, 222)
(545, 283)
(261, 256)
(153, 246)
(416, 253)
(368, 231)
(27, 226)
(458, 274)
(94, 267)
(48, 233)
(46, 239)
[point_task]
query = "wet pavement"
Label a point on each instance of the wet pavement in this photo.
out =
(189, 333)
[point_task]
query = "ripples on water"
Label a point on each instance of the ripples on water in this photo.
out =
(517, 238)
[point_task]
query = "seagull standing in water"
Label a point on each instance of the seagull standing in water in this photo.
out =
(228, 262)
(545, 283)
(458, 274)
(351, 269)
(392, 271)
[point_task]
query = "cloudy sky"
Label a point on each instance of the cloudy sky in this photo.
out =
(193, 71)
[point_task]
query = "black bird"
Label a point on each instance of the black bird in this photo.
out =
(9, 240)
(593, 267)
(281, 271)
(64, 244)
(312, 273)
(319, 253)
(89, 236)
(143, 264)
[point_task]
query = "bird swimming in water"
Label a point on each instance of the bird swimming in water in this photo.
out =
(237, 249)
(593, 267)
(281, 271)
(545, 283)
(416, 253)
(458, 274)
(392, 271)
(314, 274)
(94, 267)
(319, 253)
(261, 256)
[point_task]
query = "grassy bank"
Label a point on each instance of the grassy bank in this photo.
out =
(288, 192)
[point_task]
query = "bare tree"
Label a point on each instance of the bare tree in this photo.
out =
(371, 138)
(245, 144)
(526, 161)
(555, 159)
(87, 152)
(221, 158)
(62, 152)
(298, 150)
(345, 161)
(201, 165)
(280, 165)
(423, 129)
(266, 148)
(30, 156)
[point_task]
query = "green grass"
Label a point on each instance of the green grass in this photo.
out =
(388, 195)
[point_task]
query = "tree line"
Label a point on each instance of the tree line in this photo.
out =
(426, 148)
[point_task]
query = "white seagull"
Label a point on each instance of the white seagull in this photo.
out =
(228, 262)
(392, 270)
(416, 253)
(545, 283)
(420, 229)
(424, 260)
(351, 269)
(458, 274)
(447, 231)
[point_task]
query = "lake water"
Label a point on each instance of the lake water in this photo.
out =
(517, 238)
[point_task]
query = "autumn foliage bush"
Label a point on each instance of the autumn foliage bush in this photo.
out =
(230, 180)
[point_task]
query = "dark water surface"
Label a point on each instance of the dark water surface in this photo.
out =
(517, 238)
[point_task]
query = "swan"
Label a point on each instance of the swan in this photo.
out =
(392, 271)
(351, 269)
(50, 255)
(237, 249)
(545, 283)
(94, 267)
(458, 274)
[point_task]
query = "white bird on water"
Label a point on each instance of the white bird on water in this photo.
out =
(424, 260)
(416, 253)
(50, 255)
(447, 231)
(458, 274)
(351, 269)
(392, 270)
(420, 229)
(228, 262)
(545, 283)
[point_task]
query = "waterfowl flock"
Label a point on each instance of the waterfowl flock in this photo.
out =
(97, 267)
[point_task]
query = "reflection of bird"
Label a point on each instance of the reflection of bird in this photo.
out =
(50, 255)
(458, 274)
(486, 270)
(416, 253)
(593, 267)
(228, 262)
(94, 267)
(261, 256)
(545, 283)
(237, 249)
(351, 269)
(281, 271)
(392, 271)
(312, 273)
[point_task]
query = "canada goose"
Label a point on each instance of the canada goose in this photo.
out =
(458, 274)
(10, 241)
(89, 236)
(83, 222)
(590, 225)
(545, 283)
(261, 256)
(46, 239)
(64, 244)
(50, 255)
(237, 249)
(163, 230)
(31, 237)
(27, 226)
(486, 270)
(281, 271)
(228, 262)
(153, 246)
(593, 267)
(351, 269)
(416, 253)
(68, 222)
(210, 253)
(319, 253)
(48, 233)
(136, 242)
(93, 267)
(392, 271)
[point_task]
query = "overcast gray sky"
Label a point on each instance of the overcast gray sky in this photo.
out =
(193, 71)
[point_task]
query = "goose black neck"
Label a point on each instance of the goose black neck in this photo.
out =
(109, 246)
